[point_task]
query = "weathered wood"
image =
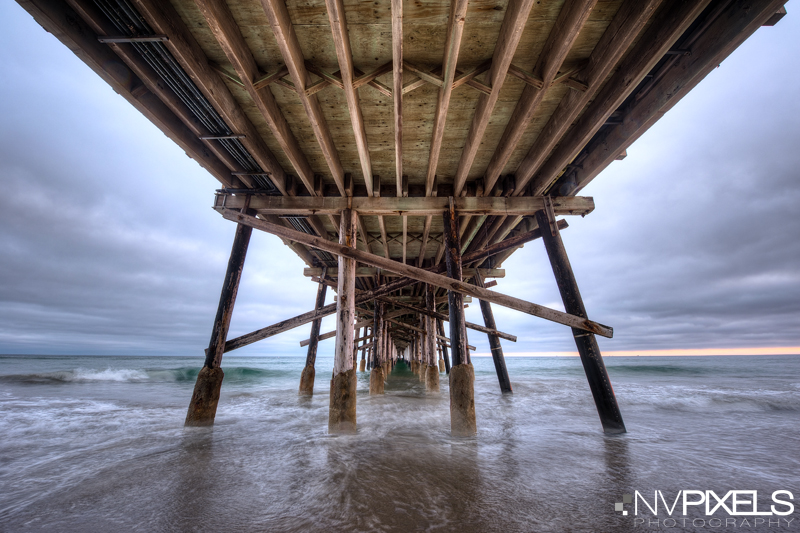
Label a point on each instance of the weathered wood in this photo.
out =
(292, 55)
(445, 356)
(458, 330)
(163, 18)
(510, 33)
(360, 323)
(494, 343)
(669, 24)
(719, 40)
(381, 291)
(422, 275)
(314, 338)
(397, 90)
(455, 28)
(572, 17)
(224, 27)
(341, 42)
(370, 272)
(586, 343)
(390, 206)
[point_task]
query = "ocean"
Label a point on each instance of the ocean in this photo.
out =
(98, 444)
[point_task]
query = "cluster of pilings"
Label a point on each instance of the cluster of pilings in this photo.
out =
(373, 327)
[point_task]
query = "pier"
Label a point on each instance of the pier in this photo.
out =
(404, 151)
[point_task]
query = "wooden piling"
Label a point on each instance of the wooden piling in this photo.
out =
(307, 377)
(445, 355)
(494, 342)
(342, 413)
(376, 377)
(462, 375)
(592, 360)
(203, 406)
(432, 372)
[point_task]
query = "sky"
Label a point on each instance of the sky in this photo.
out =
(110, 246)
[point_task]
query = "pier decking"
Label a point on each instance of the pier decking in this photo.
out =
(404, 150)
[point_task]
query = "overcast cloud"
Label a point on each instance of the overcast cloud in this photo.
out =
(109, 244)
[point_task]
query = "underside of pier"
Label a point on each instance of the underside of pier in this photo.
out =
(404, 150)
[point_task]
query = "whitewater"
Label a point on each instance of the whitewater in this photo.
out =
(98, 444)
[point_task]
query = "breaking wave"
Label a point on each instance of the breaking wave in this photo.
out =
(129, 375)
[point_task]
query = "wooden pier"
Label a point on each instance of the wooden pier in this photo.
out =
(404, 150)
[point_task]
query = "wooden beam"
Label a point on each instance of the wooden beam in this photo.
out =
(421, 275)
(391, 206)
(514, 21)
(163, 18)
(229, 36)
(709, 49)
(571, 18)
(379, 292)
(469, 76)
(623, 30)
(370, 272)
(494, 343)
(359, 324)
(292, 54)
(455, 28)
(341, 42)
(397, 90)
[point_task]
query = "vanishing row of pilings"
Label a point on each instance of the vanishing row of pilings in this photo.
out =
(425, 345)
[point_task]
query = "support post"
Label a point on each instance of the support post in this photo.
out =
(462, 375)
(494, 342)
(432, 370)
(203, 406)
(445, 355)
(342, 413)
(376, 375)
(589, 352)
(362, 365)
(307, 377)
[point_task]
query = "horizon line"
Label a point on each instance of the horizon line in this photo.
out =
(779, 350)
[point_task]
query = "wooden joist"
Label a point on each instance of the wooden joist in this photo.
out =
(421, 275)
(455, 28)
(224, 27)
(292, 54)
(388, 206)
(572, 17)
(163, 18)
(510, 33)
(370, 272)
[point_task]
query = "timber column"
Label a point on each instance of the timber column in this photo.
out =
(432, 370)
(462, 375)
(445, 356)
(307, 377)
(342, 413)
(494, 340)
(203, 407)
(376, 377)
(592, 361)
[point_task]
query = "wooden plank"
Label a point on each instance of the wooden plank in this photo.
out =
(379, 292)
(371, 272)
(292, 55)
(465, 77)
(570, 21)
(421, 275)
(228, 35)
(267, 79)
(525, 76)
(163, 18)
(455, 28)
(620, 34)
(391, 206)
(341, 43)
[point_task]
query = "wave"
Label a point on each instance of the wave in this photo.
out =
(130, 375)
(670, 370)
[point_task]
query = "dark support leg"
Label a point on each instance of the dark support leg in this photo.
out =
(445, 355)
(462, 375)
(592, 361)
(494, 343)
(307, 377)
(203, 407)
(376, 376)
(432, 366)
(342, 412)
(362, 365)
